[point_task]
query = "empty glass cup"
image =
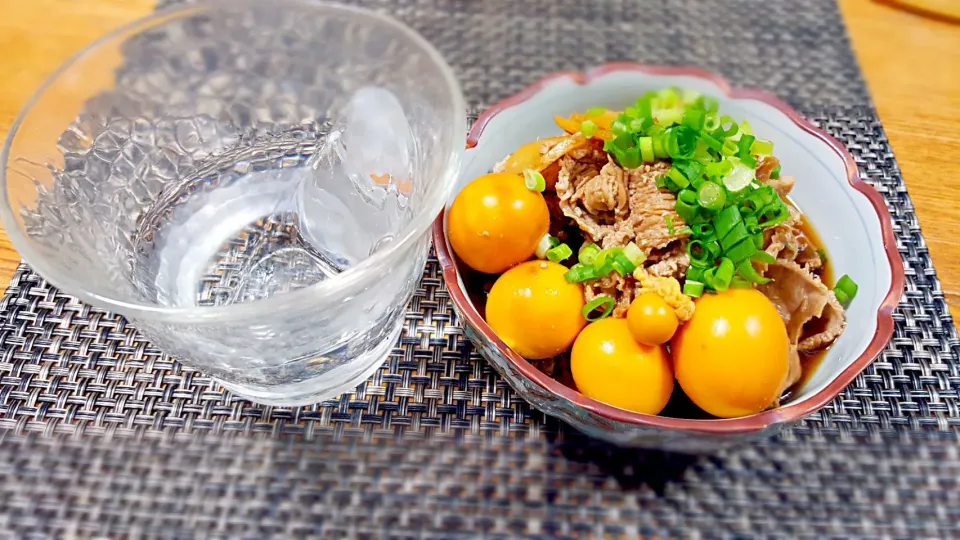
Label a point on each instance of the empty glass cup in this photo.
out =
(250, 183)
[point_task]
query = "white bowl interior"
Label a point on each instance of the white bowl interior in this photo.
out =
(843, 217)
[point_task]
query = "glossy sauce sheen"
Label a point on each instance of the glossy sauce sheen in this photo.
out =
(680, 406)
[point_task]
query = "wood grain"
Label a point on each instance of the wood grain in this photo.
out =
(911, 63)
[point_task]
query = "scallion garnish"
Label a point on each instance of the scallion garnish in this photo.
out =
(646, 149)
(588, 253)
(724, 207)
(738, 176)
(534, 180)
(746, 269)
(603, 302)
(579, 273)
(711, 196)
(692, 288)
(761, 148)
(559, 253)
(634, 254)
(546, 242)
(596, 111)
(588, 128)
(621, 263)
(698, 253)
(845, 289)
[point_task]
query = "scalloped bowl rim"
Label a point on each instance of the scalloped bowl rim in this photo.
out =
(755, 422)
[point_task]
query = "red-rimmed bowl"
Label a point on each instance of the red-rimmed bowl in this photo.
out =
(849, 215)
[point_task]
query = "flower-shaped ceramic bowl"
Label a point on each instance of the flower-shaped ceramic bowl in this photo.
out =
(849, 215)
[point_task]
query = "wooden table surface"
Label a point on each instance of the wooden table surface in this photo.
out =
(911, 63)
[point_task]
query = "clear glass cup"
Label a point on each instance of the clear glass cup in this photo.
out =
(197, 172)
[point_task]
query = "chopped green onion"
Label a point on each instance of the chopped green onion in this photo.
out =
(588, 254)
(709, 104)
(764, 257)
(711, 196)
(735, 235)
(744, 144)
(634, 254)
(686, 205)
(618, 128)
(678, 178)
(823, 255)
(739, 175)
(761, 148)
(726, 220)
(534, 180)
(693, 289)
(659, 150)
(775, 172)
(721, 275)
(689, 169)
(841, 297)
(546, 242)
(774, 214)
(739, 283)
(602, 260)
(559, 253)
(711, 142)
(690, 97)
(748, 272)
(714, 248)
(669, 116)
(588, 128)
(741, 251)
(681, 142)
(847, 286)
(728, 127)
(694, 273)
(702, 229)
(621, 263)
(729, 148)
(603, 301)
(719, 169)
(693, 119)
(644, 107)
(712, 124)
(646, 149)
(669, 221)
(698, 253)
(579, 273)
(596, 111)
(631, 158)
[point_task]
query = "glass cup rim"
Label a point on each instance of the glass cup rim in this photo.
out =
(435, 197)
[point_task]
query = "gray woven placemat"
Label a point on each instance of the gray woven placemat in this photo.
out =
(104, 436)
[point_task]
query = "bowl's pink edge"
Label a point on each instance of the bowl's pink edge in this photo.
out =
(751, 423)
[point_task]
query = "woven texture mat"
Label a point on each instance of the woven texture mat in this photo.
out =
(103, 436)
